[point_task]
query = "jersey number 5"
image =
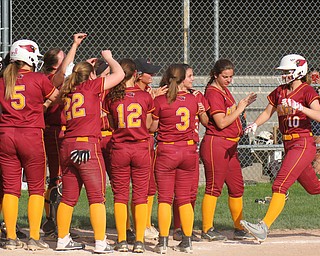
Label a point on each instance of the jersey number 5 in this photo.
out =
(18, 101)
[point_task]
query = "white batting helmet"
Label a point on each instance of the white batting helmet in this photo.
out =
(263, 138)
(25, 50)
(295, 65)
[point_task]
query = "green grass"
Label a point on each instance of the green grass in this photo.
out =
(300, 211)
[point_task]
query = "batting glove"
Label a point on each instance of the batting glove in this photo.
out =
(80, 156)
(292, 103)
(251, 128)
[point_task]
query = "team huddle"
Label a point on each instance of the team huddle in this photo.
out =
(100, 117)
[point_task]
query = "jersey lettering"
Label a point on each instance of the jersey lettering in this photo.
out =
(184, 114)
(293, 121)
(19, 100)
(75, 104)
(133, 120)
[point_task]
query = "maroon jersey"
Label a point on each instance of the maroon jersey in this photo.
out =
(25, 108)
(82, 109)
(221, 102)
(176, 120)
(130, 115)
(54, 115)
(291, 121)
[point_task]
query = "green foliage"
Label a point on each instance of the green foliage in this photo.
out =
(301, 209)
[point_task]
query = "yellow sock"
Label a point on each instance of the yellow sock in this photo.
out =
(64, 217)
(186, 218)
(10, 205)
(150, 204)
(141, 213)
(235, 206)
(120, 216)
(275, 208)
(164, 218)
(98, 220)
(35, 210)
(209, 204)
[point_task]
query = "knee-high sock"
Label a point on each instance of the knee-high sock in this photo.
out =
(64, 216)
(35, 210)
(187, 218)
(120, 216)
(209, 204)
(176, 214)
(164, 218)
(235, 206)
(275, 208)
(150, 205)
(98, 220)
(141, 213)
(10, 205)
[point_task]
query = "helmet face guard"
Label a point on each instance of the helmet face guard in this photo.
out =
(293, 67)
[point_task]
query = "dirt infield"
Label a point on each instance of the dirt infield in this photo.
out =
(279, 243)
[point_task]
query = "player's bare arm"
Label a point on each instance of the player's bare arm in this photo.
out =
(117, 72)
(58, 78)
(222, 120)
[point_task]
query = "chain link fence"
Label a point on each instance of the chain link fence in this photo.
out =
(253, 34)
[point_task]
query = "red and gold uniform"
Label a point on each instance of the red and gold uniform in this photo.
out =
(83, 131)
(176, 158)
(194, 190)
(130, 157)
(21, 146)
(21, 125)
(299, 145)
(219, 154)
(219, 147)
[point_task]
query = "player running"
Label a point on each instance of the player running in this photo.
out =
(291, 101)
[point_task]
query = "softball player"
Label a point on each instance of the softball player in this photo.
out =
(81, 158)
(176, 154)
(146, 70)
(291, 101)
(55, 66)
(130, 111)
(21, 139)
(218, 150)
(203, 107)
